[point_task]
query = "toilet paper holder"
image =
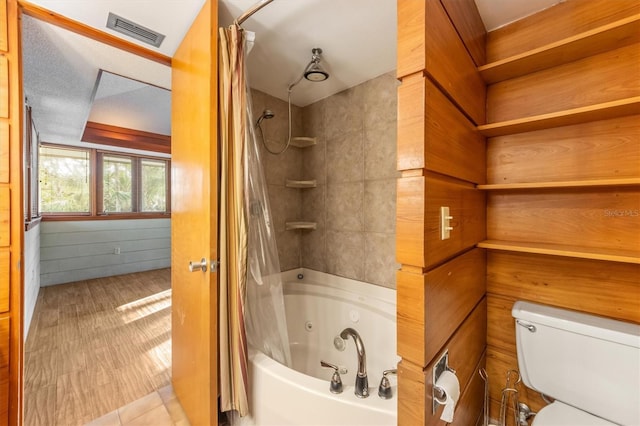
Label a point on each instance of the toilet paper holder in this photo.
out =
(439, 394)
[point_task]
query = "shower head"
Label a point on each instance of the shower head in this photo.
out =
(267, 114)
(314, 71)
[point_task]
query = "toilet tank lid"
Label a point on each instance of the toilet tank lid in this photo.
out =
(577, 322)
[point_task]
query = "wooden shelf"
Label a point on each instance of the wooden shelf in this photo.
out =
(603, 111)
(300, 225)
(563, 184)
(623, 256)
(607, 37)
(301, 183)
(302, 141)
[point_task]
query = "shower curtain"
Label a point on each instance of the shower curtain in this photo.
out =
(251, 302)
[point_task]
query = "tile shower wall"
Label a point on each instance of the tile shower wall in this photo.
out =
(285, 202)
(354, 163)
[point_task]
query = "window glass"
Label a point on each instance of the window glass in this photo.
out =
(64, 180)
(117, 184)
(153, 188)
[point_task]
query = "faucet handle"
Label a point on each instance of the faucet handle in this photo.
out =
(336, 382)
(384, 390)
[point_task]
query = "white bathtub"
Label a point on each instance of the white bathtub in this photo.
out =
(319, 306)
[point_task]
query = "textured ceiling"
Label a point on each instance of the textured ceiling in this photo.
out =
(358, 38)
(60, 69)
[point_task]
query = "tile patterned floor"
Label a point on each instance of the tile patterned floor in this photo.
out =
(159, 408)
(98, 345)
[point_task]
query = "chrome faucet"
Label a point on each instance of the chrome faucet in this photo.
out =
(362, 383)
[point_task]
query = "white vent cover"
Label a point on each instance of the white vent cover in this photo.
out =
(131, 29)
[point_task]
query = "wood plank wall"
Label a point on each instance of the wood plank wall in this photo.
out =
(11, 216)
(441, 285)
(571, 190)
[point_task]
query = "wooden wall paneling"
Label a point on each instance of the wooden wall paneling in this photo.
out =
(466, 348)
(5, 217)
(434, 134)
(450, 66)
(598, 217)
(604, 149)
(470, 406)
(411, 150)
(4, 151)
(563, 20)
(501, 333)
(467, 21)
(466, 205)
(3, 26)
(437, 49)
(452, 291)
(498, 363)
(606, 77)
(412, 405)
(410, 224)
(609, 289)
(452, 143)
(4, 87)
(5, 281)
(14, 320)
(432, 306)
(4, 368)
(410, 321)
(411, 37)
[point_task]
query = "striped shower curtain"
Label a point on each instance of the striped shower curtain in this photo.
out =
(233, 373)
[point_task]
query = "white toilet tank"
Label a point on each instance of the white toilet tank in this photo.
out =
(589, 362)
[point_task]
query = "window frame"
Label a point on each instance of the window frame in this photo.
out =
(96, 190)
(31, 171)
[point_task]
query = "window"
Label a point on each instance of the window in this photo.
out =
(88, 182)
(64, 180)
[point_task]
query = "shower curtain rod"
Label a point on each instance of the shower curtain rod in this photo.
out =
(253, 9)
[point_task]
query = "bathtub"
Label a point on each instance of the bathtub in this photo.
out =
(318, 307)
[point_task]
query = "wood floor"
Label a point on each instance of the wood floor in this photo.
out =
(97, 345)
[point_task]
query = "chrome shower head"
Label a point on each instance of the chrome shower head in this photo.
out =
(314, 71)
(267, 114)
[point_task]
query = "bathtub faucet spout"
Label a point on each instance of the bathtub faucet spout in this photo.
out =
(362, 383)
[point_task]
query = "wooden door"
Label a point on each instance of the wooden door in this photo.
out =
(194, 212)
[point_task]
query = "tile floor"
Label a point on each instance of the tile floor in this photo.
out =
(159, 408)
(97, 345)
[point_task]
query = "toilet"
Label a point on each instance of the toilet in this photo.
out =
(590, 365)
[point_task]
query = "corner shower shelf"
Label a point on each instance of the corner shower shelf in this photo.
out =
(606, 37)
(300, 225)
(290, 183)
(302, 141)
(611, 255)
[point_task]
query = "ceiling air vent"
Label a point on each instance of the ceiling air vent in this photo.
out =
(126, 27)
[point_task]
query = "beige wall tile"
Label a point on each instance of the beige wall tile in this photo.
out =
(344, 254)
(379, 259)
(380, 206)
(381, 100)
(313, 248)
(344, 207)
(314, 161)
(380, 151)
(288, 249)
(345, 157)
(343, 112)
